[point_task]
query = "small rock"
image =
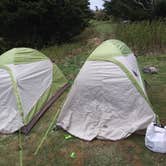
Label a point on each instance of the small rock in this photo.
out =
(150, 70)
(126, 21)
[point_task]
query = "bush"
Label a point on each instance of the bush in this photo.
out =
(125, 9)
(100, 15)
(160, 9)
(42, 22)
(136, 10)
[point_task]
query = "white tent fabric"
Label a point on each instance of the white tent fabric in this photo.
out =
(33, 80)
(104, 103)
(131, 64)
(9, 121)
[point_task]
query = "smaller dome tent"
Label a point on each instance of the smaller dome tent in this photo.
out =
(28, 80)
(108, 99)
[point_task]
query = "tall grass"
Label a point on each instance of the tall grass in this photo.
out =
(144, 37)
(104, 29)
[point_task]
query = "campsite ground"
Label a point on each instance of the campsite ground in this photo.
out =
(56, 149)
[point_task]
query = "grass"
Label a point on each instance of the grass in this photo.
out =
(105, 29)
(144, 37)
(56, 150)
(157, 89)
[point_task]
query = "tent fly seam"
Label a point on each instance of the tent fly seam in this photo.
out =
(26, 129)
(15, 90)
(129, 75)
(133, 80)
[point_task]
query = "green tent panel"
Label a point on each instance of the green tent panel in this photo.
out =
(109, 49)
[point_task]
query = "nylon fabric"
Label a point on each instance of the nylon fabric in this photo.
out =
(32, 80)
(122, 63)
(15, 90)
(28, 79)
(21, 56)
(58, 81)
(109, 49)
(10, 118)
(103, 103)
(131, 64)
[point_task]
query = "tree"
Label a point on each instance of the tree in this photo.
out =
(100, 15)
(160, 8)
(40, 22)
(146, 4)
(126, 9)
(133, 9)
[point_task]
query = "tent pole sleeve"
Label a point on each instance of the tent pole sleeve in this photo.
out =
(15, 90)
(27, 128)
(129, 75)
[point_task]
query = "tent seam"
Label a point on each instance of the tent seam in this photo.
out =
(15, 90)
(129, 75)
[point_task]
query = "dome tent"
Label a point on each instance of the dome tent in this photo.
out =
(28, 80)
(108, 99)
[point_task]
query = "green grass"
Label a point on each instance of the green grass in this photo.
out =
(56, 150)
(144, 37)
(157, 89)
(69, 57)
(105, 29)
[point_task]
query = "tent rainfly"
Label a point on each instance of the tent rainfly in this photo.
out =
(28, 80)
(108, 99)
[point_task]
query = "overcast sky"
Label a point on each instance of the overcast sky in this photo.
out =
(97, 3)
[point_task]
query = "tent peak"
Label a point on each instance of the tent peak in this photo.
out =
(21, 55)
(110, 48)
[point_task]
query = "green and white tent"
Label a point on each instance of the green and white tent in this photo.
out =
(108, 99)
(28, 80)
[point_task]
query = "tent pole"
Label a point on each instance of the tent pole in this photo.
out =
(27, 128)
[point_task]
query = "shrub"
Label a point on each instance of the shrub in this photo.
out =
(100, 15)
(42, 22)
(136, 10)
(160, 9)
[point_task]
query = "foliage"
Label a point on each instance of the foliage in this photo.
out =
(160, 8)
(100, 15)
(104, 29)
(136, 9)
(143, 37)
(41, 22)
